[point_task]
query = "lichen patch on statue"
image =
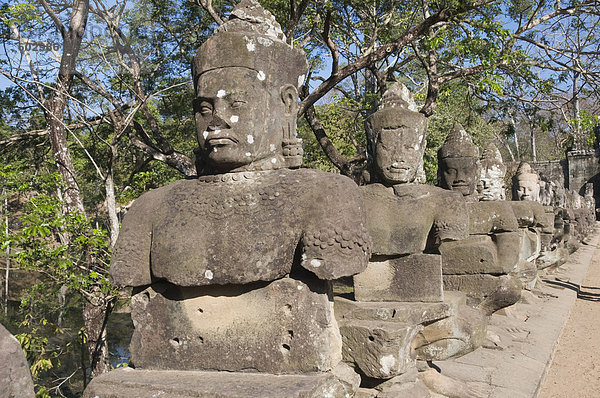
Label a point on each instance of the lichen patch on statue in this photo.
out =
(493, 172)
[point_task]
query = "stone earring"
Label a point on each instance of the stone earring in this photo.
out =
(291, 144)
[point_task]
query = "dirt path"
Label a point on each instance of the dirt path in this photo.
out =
(575, 369)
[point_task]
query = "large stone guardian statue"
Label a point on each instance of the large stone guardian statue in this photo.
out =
(231, 271)
(482, 265)
(400, 311)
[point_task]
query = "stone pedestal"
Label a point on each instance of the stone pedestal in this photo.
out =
(378, 336)
(279, 327)
(127, 383)
(417, 277)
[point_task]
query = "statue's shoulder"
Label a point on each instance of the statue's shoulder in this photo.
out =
(156, 196)
(317, 182)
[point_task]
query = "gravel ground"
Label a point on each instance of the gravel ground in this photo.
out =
(575, 369)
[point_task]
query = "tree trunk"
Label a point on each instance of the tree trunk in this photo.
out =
(56, 104)
(95, 317)
(111, 205)
(7, 273)
(533, 148)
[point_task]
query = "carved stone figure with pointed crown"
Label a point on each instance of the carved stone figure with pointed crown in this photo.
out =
(526, 183)
(458, 163)
(231, 271)
(493, 172)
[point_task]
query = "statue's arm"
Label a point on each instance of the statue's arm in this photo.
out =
(130, 262)
(452, 218)
(335, 242)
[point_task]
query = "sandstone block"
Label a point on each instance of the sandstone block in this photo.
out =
(379, 349)
(15, 377)
(492, 216)
(417, 277)
(127, 383)
(477, 286)
(530, 245)
(476, 254)
(507, 249)
(402, 313)
(453, 336)
(278, 327)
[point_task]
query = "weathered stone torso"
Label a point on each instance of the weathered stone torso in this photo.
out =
(242, 227)
(402, 220)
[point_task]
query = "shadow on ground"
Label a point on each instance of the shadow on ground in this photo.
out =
(590, 293)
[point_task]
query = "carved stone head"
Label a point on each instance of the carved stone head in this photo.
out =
(399, 131)
(493, 172)
(526, 183)
(458, 162)
(246, 79)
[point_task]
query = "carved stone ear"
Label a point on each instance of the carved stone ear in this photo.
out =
(289, 96)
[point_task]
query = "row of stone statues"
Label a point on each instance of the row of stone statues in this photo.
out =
(231, 273)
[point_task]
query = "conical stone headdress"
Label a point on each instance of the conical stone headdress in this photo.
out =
(458, 144)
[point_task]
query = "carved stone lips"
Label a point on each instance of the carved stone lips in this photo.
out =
(220, 141)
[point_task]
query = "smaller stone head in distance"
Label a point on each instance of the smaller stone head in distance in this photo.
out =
(526, 183)
(458, 162)
(399, 131)
(246, 80)
(493, 171)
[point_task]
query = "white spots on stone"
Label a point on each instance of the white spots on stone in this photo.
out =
(272, 147)
(205, 134)
(274, 160)
(395, 164)
(416, 147)
(248, 154)
(250, 44)
(221, 93)
(215, 149)
(420, 137)
(301, 80)
(299, 287)
(208, 274)
(264, 41)
(304, 258)
(234, 118)
(250, 139)
(261, 75)
(217, 131)
(315, 263)
(387, 363)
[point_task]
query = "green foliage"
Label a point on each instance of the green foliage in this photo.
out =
(344, 128)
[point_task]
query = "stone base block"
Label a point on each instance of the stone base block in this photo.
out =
(531, 245)
(417, 277)
(399, 312)
(284, 326)
(453, 336)
(477, 287)
(127, 383)
(379, 349)
(473, 255)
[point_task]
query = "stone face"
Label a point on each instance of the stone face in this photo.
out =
(453, 336)
(379, 349)
(417, 277)
(15, 376)
(526, 184)
(281, 327)
(399, 131)
(458, 162)
(127, 383)
(492, 175)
